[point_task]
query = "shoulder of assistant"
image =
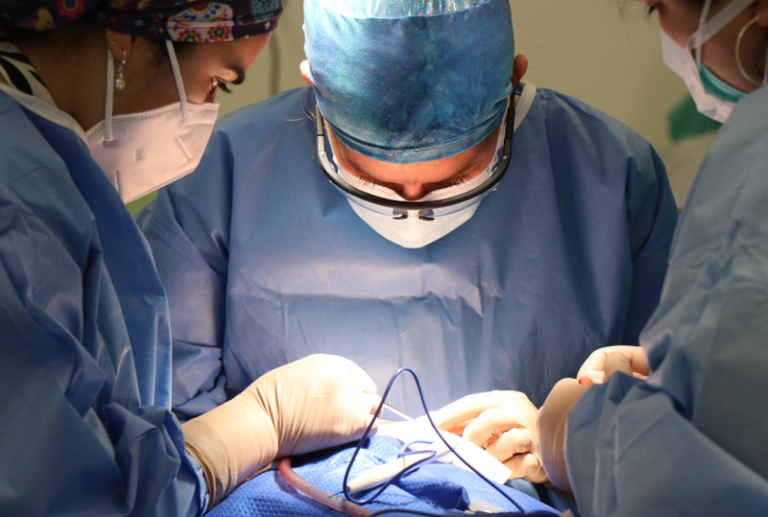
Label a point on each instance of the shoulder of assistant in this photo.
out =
(22, 146)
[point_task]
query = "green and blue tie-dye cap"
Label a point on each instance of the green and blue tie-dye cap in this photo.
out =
(409, 81)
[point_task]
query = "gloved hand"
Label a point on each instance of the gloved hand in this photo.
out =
(551, 425)
(317, 402)
(504, 423)
(603, 362)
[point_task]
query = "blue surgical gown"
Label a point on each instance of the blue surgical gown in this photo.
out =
(264, 261)
(85, 369)
(693, 438)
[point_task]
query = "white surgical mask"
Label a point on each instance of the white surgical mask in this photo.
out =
(717, 101)
(415, 232)
(142, 152)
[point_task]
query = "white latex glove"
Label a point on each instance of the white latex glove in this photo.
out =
(552, 420)
(603, 362)
(317, 402)
(502, 422)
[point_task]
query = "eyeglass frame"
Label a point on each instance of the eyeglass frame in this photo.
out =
(426, 209)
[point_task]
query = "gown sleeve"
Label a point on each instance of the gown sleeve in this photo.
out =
(652, 216)
(691, 440)
(187, 227)
(74, 440)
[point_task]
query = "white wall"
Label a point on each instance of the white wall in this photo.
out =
(604, 52)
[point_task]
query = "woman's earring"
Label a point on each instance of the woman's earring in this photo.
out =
(738, 56)
(120, 81)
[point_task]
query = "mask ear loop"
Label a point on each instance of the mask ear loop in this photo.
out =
(177, 78)
(707, 29)
(109, 139)
(702, 23)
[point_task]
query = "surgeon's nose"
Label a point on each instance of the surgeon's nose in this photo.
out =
(413, 192)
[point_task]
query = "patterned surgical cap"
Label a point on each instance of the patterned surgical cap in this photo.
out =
(176, 20)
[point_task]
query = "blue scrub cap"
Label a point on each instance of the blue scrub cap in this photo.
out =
(409, 81)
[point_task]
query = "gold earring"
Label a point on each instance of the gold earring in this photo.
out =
(743, 71)
(120, 81)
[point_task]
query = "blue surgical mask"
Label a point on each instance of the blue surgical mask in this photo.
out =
(719, 88)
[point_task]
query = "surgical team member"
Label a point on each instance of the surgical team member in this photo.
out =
(94, 112)
(415, 253)
(691, 439)
(683, 428)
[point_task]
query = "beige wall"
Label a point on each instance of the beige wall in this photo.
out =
(604, 52)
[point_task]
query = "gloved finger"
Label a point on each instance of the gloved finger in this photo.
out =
(365, 408)
(490, 425)
(462, 411)
(527, 466)
(617, 362)
(374, 428)
(592, 378)
(596, 361)
(459, 413)
(364, 380)
(513, 442)
(372, 401)
(439, 422)
(366, 384)
(638, 362)
(342, 365)
(456, 429)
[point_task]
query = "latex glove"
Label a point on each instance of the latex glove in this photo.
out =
(551, 425)
(502, 422)
(553, 416)
(317, 402)
(603, 362)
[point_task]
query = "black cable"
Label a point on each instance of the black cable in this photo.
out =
(439, 434)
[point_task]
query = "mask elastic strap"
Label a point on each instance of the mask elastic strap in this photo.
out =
(707, 29)
(108, 136)
(177, 78)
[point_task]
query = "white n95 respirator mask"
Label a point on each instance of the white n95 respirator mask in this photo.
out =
(142, 152)
(414, 232)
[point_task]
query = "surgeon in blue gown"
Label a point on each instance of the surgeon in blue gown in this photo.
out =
(686, 434)
(265, 260)
(85, 375)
